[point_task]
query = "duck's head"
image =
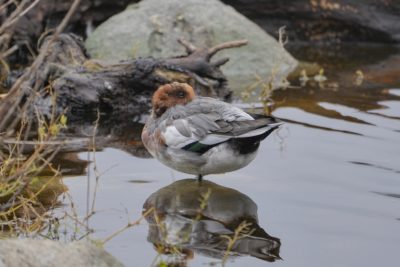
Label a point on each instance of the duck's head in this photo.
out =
(170, 95)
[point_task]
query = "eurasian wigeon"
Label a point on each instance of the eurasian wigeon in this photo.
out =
(202, 135)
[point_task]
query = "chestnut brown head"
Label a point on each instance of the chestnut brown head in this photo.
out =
(170, 95)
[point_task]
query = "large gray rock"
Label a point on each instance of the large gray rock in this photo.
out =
(47, 253)
(152, 27)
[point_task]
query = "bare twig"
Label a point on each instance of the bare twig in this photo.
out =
(232, 44)
(129, 225)
(283, 37)
(18, 90)
(198, 62)
(220, 62)
(90, 209)
(5, 5)
(190, 48)
(7, 25)
(9, 51)
(66, 18)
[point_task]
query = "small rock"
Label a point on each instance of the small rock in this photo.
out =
(47, 253)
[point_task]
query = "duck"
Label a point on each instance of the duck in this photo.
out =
(202, 135)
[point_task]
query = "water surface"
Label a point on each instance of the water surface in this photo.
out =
(327, 184)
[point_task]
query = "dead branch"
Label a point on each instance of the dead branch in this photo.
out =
(81, 84)
(212, 51)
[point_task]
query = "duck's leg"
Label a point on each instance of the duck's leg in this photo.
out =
(200, 177)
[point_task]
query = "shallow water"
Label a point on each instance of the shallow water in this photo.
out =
(327, 184)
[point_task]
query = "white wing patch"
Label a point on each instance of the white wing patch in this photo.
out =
(212, 139)
(173, 138)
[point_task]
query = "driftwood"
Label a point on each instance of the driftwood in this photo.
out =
(64, 79)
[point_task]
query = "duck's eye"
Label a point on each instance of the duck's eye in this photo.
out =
(181, 94)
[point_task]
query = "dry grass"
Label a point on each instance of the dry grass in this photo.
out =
(25, 194)
(30, 185)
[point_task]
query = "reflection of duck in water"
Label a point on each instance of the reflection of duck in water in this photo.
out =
(203, 217)
(201, 135)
